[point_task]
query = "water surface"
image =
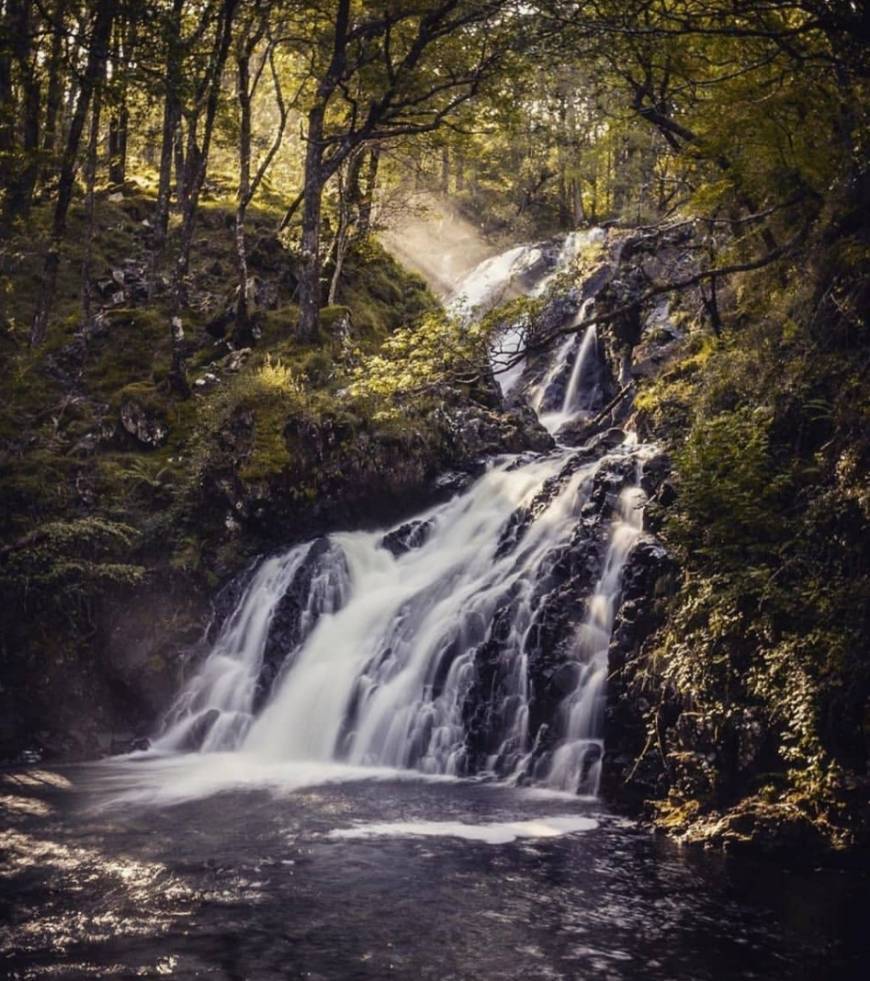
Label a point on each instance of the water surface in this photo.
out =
(388, 877)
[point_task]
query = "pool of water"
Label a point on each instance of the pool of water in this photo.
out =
(141, 869)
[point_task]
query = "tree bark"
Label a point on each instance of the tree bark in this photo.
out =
(90, 202)
(243, 68)
(119, 122)
(7, 97)
(20, 179)
(315, 178)
(349, 195)
(195, 165)
(367, 199)
(171, 117)
(309, 279)
(249, 185)
(54, 90)
(94, 70)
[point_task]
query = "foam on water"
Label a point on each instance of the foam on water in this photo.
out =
(495, 833)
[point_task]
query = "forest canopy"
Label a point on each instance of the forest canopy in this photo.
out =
(541, 115)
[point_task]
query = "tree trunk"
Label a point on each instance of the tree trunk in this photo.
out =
(96, 65)
(118, 143)
(171, 117)
(349, 195)
(309, 278)
(242, 332)
(368, 193)
(122, 56)
(54, 90)
(7, 98)
(195, 165)
(90, 201)
(24, 168)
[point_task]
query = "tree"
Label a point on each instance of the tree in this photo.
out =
(97, 48)
(200, 118)
(387, 75)
(249, 37)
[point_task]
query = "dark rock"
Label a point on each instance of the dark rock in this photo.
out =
(319, 586)
(218, 326)
(631, 775)
(559, 599)
(147, 425)
(127, 742)
(453, 482)
(200, 729)
(408, 536)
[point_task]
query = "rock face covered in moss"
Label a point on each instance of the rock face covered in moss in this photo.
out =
(739, 678)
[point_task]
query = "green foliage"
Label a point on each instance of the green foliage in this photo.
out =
(765, 644)
(64, 562)
(729, 489)
(380, 295)
(413, 362)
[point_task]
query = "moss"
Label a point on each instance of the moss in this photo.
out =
(279, 326)
(143, 393)
(760, 650)
(35, 486)
(330, 317)
(136, 348)
(269, 453)
(62, 560)
(381, 295)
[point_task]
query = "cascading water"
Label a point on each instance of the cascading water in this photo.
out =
(421, 647)
(577, 760)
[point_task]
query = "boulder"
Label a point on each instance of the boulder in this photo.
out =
(145, 423)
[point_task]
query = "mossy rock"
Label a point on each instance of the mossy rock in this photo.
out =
(135, 348)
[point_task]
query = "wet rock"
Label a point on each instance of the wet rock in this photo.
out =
(318, 586)
(631, 772)
(475, 431)
(127, 742)
(146, 644)
(559, 600)
(227, 599)
(566, 677)
(454, 481)
(408, 536)
(196, 735)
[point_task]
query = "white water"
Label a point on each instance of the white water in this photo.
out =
(495, 280)
(493, 833)
(577, 760)
(384, 664)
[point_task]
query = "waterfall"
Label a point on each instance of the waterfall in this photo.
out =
(576, 764)
(574, 399)
(424, 646)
